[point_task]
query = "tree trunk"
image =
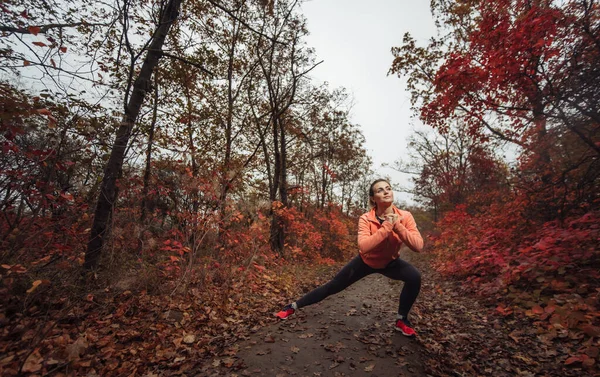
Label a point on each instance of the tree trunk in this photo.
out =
(226, 176)
(323, 187)
(148, 168)
(276, 237)
(108, 188)
(283, 165)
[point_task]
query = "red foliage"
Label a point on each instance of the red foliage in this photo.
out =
(500, 71)
(500, 254)
(320, 234)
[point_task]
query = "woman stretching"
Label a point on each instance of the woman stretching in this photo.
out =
(381, 233)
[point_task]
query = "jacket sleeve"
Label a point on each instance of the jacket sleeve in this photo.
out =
(408, 232)
(367, 241)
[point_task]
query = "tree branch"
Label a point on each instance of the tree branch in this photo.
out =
(44, 28)
(184, 60)
(230, 13)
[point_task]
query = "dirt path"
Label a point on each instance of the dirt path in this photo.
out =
(351, 334)
(348, 334)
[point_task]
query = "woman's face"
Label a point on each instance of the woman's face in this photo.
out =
(382, 193)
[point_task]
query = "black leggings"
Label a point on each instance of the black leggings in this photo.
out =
(356, 269)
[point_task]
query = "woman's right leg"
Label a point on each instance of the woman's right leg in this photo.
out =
(355, 270)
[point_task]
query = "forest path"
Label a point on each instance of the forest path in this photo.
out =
(348, 334)
(352, 334)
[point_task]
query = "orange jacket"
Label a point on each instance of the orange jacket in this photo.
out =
(379, 244)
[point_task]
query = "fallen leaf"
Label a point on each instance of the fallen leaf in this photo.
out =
(537, 309)
(33, 363)
(515, 336)
(591, 331)
(83, 363)
(592, 352)
(34, 286)
(177, 342)
(76, 349)
(269, 339)
(228, 362)
(572, 360)
(588, 363)
(370, 368)
(295, 349)
(189, 339)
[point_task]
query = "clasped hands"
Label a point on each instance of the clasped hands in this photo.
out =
(392, 217)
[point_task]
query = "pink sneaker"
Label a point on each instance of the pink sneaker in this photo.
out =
(285, 312)
(405, 327)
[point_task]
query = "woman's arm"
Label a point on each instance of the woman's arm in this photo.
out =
(367, 241)
(407, 230)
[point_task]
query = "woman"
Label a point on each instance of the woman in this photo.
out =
(381, 233)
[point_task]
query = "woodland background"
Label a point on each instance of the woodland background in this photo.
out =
(174, 160)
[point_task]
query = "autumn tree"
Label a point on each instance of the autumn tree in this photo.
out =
(450, 169)
(135, 93)
(284, 63)
(38, 46)
(339, 160)
(40, 38)
(506, 69)
(214, 107)
(520, 73)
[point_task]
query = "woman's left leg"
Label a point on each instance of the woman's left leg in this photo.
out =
(355, 270)
(402, 270)
(352, 272)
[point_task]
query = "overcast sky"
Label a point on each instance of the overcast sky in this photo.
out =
(354, 38)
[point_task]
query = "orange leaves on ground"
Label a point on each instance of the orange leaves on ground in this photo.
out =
(189, 339)
(76, 349)
(584, 359)
(16, 268)
(179, 331)
(33, 363)
(590, 330)
(35, 284)
(536, 310)
(504, 310)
